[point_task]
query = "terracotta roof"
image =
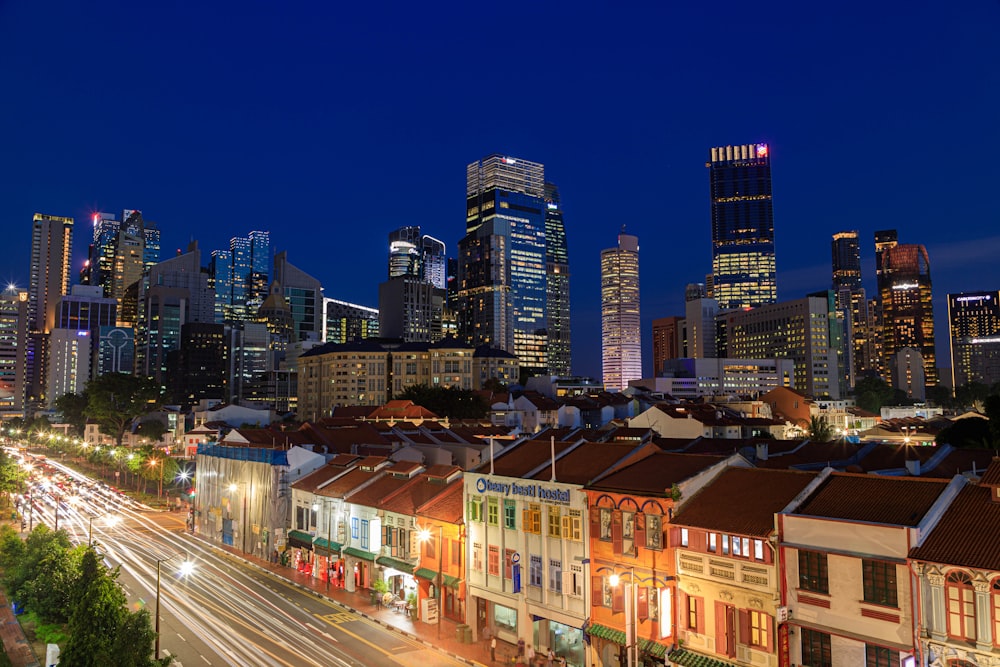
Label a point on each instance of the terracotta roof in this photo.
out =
(589, 460)
(425, 486)
(674, 444)
(655, 474)
(992, 475)
(310, 482)
(364, 472)
(743, 500)
(447, 506)
(813, 454)
(897, 501)
(382, 487)
(523, 457)
(968, 534)
(888, 456)
(401, 410)
(961, 462)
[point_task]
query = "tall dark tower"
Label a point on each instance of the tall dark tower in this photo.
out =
(907, 311)
(852, 302)
(557, 275)
(884, 240)
(743, 267)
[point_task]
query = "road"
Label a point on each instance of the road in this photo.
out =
(225, 612)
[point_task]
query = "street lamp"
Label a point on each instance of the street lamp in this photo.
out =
(186, 568)
(631, 621)
(111, 520)
(425, 536)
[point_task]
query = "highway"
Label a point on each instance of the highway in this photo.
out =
(225, 611)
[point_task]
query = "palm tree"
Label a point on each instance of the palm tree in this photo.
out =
(820, 429)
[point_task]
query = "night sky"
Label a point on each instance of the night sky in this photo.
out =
(329, 124)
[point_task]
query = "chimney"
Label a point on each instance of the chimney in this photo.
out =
(761, 451)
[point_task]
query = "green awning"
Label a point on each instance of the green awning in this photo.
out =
(687, 658)
(299, 538)
(360, 553)
(451, 582)
(647, 646)
(429, 575)
(604, 632)
(395, 563)
(321, 543)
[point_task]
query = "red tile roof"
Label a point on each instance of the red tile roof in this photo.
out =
(992, 475)
(968, 534)
(655, 474)
(446, 506)
(743, 500)
(897, 501)
(524, 457)
(409, 497)
(961, 462)
(590, 460)
(310, 482)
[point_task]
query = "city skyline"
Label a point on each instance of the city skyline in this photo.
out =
(307, 142)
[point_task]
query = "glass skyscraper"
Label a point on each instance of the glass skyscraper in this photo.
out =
(557, 278)
(974, 331)
(743, 266)
(621, 336)
(502, 289)
(907, 310)
(852, 302)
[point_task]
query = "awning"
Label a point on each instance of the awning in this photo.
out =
(360, 553)
(429, 575)
(647, 646)
(297, 538)
(687, 658)
(451, 582)
(329, 547)
(395, 564)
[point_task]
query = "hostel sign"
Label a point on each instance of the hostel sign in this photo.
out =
(531, 491)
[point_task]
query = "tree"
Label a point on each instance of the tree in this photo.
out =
(452, 402)
(152, 429)
(73, 408)
(971, 395)
(968, 433)
(940, 395)
(11, 476)
(102, 629)
(820, 429)
(42, 578)
(872, 393)
(115, 400)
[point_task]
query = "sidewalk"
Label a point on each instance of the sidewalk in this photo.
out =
(476, 654)
(14, 641)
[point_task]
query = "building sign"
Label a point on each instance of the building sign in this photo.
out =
(534, 491)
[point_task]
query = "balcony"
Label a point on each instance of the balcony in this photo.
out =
(727, 570)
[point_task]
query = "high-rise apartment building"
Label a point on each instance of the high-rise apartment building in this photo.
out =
(907, 309)
(345, 322)
(502, 291)
(743, 264)
(666, 341)
(852, 302)
(974, 333)
(13, 351)
(621, 337)
(412, 302)
(69, 363)
(51, 261)
(804, 330)
(557, 285)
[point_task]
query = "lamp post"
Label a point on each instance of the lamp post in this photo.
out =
(110, 521)
(631, 613)
(425, 537)
(186, 568)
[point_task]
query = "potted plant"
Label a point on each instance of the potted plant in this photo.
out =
(411, 603)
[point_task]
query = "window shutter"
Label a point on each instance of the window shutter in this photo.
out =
(596, 591)
(526, 521)
(595, 523)
(567, 528)
(567, 583)
(721, 637)
(617, 598)
(700, 611)
(772, 636)
(745, 628)
(642, 605)
(616, 531)
(640, 530)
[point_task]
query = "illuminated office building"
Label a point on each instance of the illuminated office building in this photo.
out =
(667, 341)
(907, 310)
(852, 302)
(345, 322)
(743, 265)
(621, 338)
(412, 302)
(418, 256)
(502, 290)
(13, 350)
(557, 280)
(974, 333)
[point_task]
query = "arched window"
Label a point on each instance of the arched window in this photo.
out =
(995, 604)
(961, 606)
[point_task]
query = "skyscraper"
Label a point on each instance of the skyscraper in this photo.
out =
(907, 310)
(417, 255)
(51, 257)
(502, 290)
(13, 350)
(743, 265)
(621, 337)
(249, 278)
(884, 240)
(974, 332)
(411, 303)
(852, 302)
(557, 285)
(121, 252)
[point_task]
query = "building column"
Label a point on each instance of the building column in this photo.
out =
(937, 625)
(984, 616)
